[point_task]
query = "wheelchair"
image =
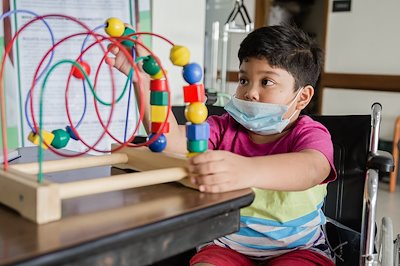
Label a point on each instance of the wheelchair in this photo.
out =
(350, 204)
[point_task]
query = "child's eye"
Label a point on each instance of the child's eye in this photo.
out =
(243, 81)
(266, 82)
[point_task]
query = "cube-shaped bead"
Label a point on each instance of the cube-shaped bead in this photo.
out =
(158, 85)
(194, 93)
(158, 113)
(197, 145)
(197, 131)
(157, 126)
(47, 137)
(159, 98)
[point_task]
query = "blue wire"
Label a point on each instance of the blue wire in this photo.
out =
(9, 13)
(130, 79)
(84, 81)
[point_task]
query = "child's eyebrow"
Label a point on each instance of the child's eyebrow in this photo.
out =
(268, 72)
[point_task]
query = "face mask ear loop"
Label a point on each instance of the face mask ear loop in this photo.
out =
(295, 97)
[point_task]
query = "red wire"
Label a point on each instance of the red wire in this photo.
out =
(105, 127)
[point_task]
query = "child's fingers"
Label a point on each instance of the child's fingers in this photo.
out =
(110, 61)
(113, 49)
(206, 157)
(213, 179)
(212, 167)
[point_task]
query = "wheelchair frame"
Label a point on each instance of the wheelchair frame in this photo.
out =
(378, 161)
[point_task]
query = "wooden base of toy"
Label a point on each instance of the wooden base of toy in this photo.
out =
(41, 202)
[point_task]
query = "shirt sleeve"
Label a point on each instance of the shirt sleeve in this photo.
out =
(313, 135)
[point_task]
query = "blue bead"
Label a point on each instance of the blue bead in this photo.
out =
(192, 73)
(197, 131)
(71, 133)
(159, 144)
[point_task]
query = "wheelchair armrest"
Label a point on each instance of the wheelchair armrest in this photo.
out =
(381, 161)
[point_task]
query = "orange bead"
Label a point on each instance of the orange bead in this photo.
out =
(196, 112)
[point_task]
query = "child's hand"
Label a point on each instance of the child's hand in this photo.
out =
(120, 61)
(220, 171)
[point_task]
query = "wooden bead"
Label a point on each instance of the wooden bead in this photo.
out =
(128, 31)
(71, 133)
(159, 75)
(198, 131)
(179, 55)
(159, 113)
(158, 85)
(35, 138)
(77, 73)
(150, 65)
(159, 98)
(197, 145)
(61, 138)
(196, 112)
(194, 93)
(114, 27)
(192, 73)
(157, 127)
(159, 144)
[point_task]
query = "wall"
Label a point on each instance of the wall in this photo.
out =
(364, 41)
(183, 23)
(219, 10)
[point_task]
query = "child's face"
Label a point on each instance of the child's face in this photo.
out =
(259, 82)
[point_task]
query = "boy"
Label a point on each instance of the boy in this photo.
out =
(263, 143)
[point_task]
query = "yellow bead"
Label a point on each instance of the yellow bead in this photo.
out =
(191, 154)
(47, 137)
(179, 55)
(196, 112)
(159, 75)
(158, 113)
(114, 27)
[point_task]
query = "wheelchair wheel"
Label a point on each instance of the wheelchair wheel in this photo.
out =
(385, 255)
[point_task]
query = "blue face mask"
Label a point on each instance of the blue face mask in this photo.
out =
(258, 117)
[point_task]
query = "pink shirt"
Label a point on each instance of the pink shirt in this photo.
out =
(227, 134)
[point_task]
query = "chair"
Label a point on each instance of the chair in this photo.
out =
(352, 142)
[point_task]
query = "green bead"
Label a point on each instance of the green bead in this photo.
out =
(159, 98)
(61, 138)
(127, 32)
(197, 145)
(150, 66)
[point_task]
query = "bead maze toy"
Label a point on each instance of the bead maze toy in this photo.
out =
(22, 186)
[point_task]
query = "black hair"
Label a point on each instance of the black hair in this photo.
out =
(285, 47)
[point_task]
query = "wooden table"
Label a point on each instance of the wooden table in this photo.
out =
(130, 227)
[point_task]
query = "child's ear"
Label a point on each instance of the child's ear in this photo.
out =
(305, 97)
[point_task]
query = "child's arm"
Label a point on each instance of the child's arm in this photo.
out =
(219, 171)
(176, 138)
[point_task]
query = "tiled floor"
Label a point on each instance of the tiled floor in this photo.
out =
(388, 205)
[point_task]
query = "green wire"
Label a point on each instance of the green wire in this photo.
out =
(40, 155)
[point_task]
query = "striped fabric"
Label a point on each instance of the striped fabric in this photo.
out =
(278, 222)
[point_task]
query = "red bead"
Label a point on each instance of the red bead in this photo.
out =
(156, 127)
(194, 93)
(77, 73)
(158, 85)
